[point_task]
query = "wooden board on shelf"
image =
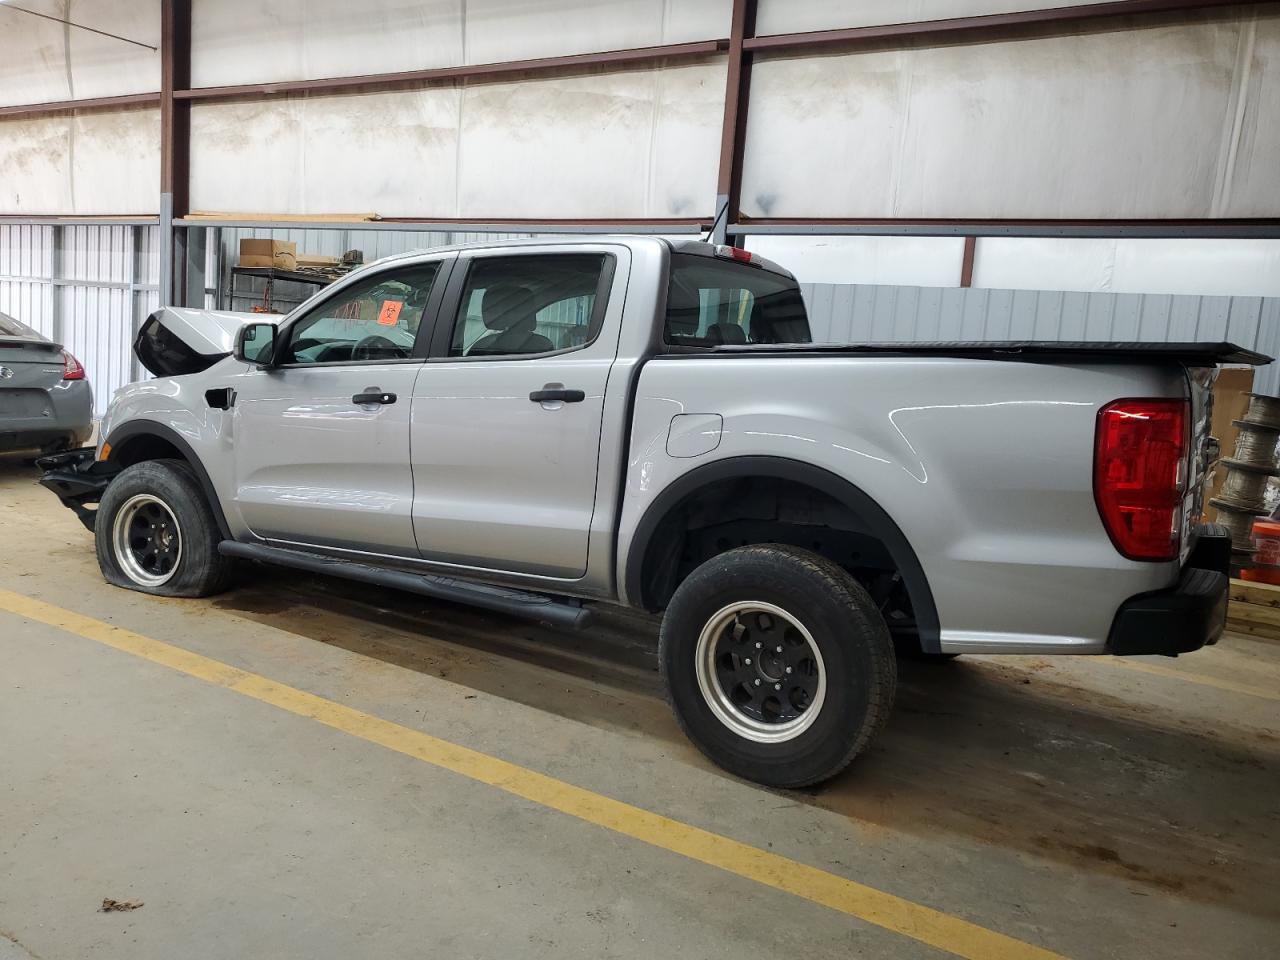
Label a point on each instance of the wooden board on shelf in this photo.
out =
(1254, 608)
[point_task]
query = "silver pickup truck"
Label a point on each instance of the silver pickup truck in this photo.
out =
(529, 426)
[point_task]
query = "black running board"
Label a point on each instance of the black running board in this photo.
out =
(516, 603)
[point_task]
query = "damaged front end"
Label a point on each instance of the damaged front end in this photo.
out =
(172, 342)
(78, 479)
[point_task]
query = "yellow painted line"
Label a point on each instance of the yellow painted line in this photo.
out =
(1230, 685)
(933, 927)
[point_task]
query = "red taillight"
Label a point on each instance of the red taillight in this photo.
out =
(1139, 471)
(71, 369)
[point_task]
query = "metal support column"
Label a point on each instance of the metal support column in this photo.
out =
(733, 130)
(175, 135)
(194, 266)
(57, 324)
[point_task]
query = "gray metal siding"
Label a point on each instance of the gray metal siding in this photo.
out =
(865, 313)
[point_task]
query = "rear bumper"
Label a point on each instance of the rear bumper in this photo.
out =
(1185, 617)
(65, 418)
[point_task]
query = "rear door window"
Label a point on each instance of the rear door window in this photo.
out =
(518, 306)
(713, 302)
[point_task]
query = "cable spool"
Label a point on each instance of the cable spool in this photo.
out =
(1245, 489)
(1263, 412)
(1255, 444)
(1239, 524)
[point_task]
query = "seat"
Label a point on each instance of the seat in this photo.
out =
(508, 309)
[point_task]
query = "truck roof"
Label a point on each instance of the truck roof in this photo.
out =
(691, 246)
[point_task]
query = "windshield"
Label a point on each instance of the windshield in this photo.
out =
(713, 302)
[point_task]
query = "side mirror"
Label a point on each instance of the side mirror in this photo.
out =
(255, 343)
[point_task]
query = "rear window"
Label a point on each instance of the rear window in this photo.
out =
(713, 302)
(10, 327)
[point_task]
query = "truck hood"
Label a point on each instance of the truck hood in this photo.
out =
(179, 340)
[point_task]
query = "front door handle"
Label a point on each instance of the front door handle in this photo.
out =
(374, 395)
(556, 391)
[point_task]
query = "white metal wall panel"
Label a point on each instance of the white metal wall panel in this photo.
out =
(35, 166)
(1201, 267)
(634, 143)
(246, 41)
(242, 41)
(862, 313)
(92, 163)
(42, 61)
(919, 261)
(498, 30)
(115, 162)
(642, 143)
(104, 67)
(797, 16)
(98, 329)
(1159, 121)
(33, 67)
(368, 153)
(26, 259)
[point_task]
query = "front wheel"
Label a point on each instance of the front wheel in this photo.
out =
(154, 532)
(778, 665)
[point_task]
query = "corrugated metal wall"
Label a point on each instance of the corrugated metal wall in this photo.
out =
(26, 264)
(87, 286)
(853, 313)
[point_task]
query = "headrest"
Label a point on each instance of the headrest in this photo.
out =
(505, 304)
(719, 333)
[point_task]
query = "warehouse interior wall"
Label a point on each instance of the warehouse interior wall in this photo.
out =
(42, 61)
(244, 41)
(606, 144)
(1166, 120)
(1161, 116)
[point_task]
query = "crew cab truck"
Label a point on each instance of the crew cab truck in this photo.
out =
(530, 426)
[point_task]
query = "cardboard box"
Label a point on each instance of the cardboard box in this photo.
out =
(281, 254)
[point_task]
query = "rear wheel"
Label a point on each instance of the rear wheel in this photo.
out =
(154, 532)
(778, 665)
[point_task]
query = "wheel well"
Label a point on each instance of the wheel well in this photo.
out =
(742, 510)
(145, 446)
(141, 440)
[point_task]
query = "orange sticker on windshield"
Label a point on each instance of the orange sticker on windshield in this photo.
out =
(390, 313)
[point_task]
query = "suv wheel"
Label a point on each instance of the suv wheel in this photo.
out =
(778, 665)
(154, 532)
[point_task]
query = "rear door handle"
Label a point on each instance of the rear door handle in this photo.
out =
(374, 395)
(553, 391)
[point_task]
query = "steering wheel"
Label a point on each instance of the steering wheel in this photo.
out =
(387, 349)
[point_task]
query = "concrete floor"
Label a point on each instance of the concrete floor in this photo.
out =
(1087, 806)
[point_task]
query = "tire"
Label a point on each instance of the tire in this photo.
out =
(832, 637)
(155, 533)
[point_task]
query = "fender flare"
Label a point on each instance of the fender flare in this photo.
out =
(869, 513)
(143, 428)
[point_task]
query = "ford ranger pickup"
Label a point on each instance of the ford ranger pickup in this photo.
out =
(533, 426)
